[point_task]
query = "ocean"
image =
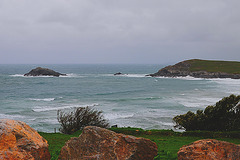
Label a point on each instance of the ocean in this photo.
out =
(129, 100)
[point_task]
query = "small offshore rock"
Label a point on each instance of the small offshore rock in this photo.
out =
(43, 72)
(210, 149)
(19, 141)
(117, 74)
(96, 143)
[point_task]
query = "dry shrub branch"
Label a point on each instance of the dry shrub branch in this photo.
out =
(80, 118)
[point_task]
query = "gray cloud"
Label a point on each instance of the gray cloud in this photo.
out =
(106, 31)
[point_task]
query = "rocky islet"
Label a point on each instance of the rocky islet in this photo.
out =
(39, 71)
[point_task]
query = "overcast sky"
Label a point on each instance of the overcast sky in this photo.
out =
(118, 31)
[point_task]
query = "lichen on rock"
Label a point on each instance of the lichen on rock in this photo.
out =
(102, 144)
(20, 141)
(210, 149)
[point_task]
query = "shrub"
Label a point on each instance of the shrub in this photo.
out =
(80, 118)
(224, 116)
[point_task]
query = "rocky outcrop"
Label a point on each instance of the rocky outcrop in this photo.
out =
(183, 69)
(209, 149)
(43, 72)
(117, 74)
(102, 144)
(19, 141)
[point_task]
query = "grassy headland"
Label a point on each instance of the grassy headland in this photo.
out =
(168, 142)
(201, 69)
(231, 67)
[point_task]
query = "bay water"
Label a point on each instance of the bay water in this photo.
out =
(128, 100)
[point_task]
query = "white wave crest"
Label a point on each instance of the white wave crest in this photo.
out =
(167, 123)
(3, 116)
(197, 102)
(133, 75)
(41, 76)
(111, 116)
(136, 75)
(43, 99)
(226, 81)
(72, 75)
(54, 108)
(17, 75)
(183, 78)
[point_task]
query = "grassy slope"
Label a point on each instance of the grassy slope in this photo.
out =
(215, 66)
(168, 142)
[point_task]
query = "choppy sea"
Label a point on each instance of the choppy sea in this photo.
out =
(126, 100)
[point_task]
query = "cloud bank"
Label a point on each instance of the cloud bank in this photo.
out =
(109, 31)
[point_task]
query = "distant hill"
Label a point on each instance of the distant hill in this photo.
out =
(201, 69)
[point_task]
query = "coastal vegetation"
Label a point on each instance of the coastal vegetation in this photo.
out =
(168, 141)
(201, 69)
(220, 121)
(232, 67)
(79, 118)
(223, 116)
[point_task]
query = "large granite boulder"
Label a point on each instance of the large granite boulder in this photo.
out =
(102, 144)
(19, 141)
(43, 72)
(209, 149)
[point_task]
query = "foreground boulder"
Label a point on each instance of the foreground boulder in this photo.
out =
(210, 149)
(43, 72)
(19, 141)
(102, 144)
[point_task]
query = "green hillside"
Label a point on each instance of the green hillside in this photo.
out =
(231, 67)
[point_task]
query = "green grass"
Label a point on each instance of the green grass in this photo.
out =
(56, 141)
(231, 67)
(168, 142)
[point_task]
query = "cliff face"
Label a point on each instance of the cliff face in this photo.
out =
(184, 68)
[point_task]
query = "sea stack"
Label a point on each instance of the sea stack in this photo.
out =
(43, 72)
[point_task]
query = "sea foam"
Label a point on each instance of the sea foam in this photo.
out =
(182, 78)
(111, 116)
(8, 116)
(134, 75)
(54, 108)
(17, 75)
(43, 99)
